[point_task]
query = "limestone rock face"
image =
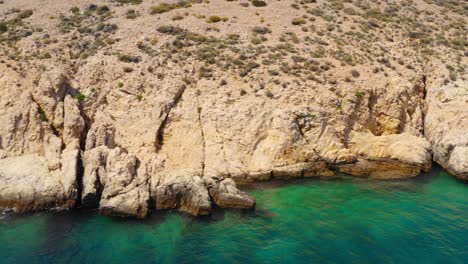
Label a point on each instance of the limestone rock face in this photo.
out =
(446, 126)
(133, 115)
(388, 157)
(184, 191)
(113, 180)
(226, 195)
(27, 185)
(38, 161)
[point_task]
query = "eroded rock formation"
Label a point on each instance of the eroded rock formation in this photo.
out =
(189, 117)
(446, 126)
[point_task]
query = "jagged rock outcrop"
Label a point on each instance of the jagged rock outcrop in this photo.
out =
(113, 180)
(388, 157)
(39, 162)
(184, 191)
(226, 195)
(446, 126)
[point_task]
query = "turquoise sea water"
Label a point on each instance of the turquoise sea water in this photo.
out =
(345, 220)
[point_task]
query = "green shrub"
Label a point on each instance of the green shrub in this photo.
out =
(131, 14)
(177, 17)
(129, 58)
(81, 97)
(216, 19)
(42, 114)
(25, 14)
(3, 27)
(75, 10)
(127, 69)
(205, 72)
(261, 30)
(170, 30)
(161, 8)
(165, 7)
(101, 10)
(44, 56)
(350, 11)
(355, 73)
(298, 21)
(256, 40)
(328, 18)
(186, 3)
(360, 94)
(133, 2)
(207, 53)
(258, 3)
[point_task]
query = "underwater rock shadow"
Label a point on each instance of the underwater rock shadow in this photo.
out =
(219, 215)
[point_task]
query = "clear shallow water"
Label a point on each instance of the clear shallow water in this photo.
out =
(350, 220)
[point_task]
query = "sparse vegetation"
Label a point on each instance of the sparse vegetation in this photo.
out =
(177, 17)
(127, 69)
(42, 114)
(330, 38)
(359, 94)
(261, 30)
(258, 3)
(166, 7)
(81, 97)
(256, 40)
(355, 73)
(298, 21)
(216, 19)
(3, 27)
(75, 10)
(102, 10)
(25, 14)
(171, 30)
(133, 2)
(132, 14)
(162, 8)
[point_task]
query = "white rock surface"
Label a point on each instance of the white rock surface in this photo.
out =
(446, 126)
(38, 165)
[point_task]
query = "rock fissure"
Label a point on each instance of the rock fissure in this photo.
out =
(44, 118)
(79, 180)
(202, 132)
(160, 132)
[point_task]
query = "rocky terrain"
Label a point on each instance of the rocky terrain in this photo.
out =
(130, 106)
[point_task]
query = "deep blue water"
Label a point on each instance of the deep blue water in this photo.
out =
(345, 220)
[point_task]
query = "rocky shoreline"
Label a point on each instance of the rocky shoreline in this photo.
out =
(135, 114)
(82, 165)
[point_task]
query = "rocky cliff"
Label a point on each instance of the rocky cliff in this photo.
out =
(132, 106)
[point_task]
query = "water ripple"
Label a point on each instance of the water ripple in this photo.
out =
(350, 220)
